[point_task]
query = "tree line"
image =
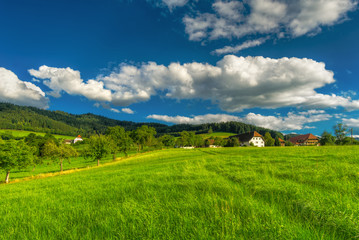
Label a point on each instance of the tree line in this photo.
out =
(340, 136)
(20, 153)
(23, 152)
(58, 122)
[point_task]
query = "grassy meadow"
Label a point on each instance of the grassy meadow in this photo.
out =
(23, 133)
(226, 193)
(217, 134)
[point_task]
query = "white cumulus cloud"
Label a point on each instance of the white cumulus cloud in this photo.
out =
(127, 110)
(115, 110)
(236, 19)
(69, 81)
(292, 121)
(13, 90)
(208, 118)
(234, 83)
(351, 122)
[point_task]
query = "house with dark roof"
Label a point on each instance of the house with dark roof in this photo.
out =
(246, 139)
(305, 140)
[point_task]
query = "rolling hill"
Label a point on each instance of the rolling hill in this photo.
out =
(58, 122)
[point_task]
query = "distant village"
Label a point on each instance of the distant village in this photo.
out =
(257, 140)
(247, 139)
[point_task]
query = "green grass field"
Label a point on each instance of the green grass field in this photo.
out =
(227, 193)
(22, 133)
(217, 134)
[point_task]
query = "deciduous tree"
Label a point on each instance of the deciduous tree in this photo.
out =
(143, 136)
(327, 139)
(62, 152)
(268, 140)
(121, 140)
(167, 140)
(340, 131)
(98, 147)
(15, 154)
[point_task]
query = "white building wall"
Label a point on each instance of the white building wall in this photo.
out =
(257, 141)
(77, 139)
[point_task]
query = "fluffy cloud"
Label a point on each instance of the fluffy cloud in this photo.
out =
(15, 91)
(290, 122)
(69, 81)
(127, 110)
(234, 83)
(108, 107)
(279, 17)
(351, 122)
(115, 110)
(208, 118)
(235, 49)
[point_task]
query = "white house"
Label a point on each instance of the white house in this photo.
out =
(77, 139)
(246, 139)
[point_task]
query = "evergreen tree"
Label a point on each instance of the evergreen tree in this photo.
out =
(210, 131)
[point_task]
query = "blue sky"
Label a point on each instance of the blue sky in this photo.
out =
(287, 65)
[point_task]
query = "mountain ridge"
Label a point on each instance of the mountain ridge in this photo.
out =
(59, 122)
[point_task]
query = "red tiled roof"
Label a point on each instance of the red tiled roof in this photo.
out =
(256, 134)
(79, 136)
(302, 138)
(281, 140)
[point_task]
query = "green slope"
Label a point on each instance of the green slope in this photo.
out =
(39, 120)
(23, 133)
(58, 122)
(228, 193)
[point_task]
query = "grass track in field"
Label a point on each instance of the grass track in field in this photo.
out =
(227, 193)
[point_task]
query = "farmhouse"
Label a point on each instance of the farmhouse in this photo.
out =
(282, 142)
(246, 139)
(305, 140)
(210, 143)
(77, 139)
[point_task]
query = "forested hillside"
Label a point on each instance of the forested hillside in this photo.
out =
(35, 119)
(58, 122)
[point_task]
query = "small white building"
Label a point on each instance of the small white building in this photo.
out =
(246, 139)
(77, 139)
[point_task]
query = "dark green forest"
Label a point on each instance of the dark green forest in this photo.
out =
(58, 122)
